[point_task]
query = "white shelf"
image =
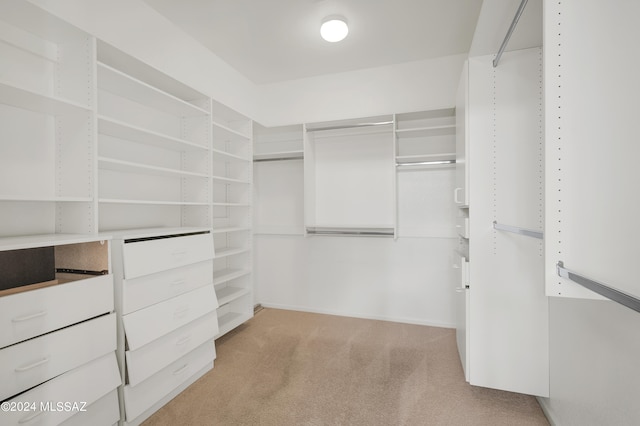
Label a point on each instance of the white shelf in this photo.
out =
(119, 129)
(278, 155)
(48, 240)
(225, 275)
(228, 155)
(131, 167)
(150, 202)
(46, 199)
(26, 99)
(229, 180)
(229, 294)
(426, 131)
(228, 133)
(230, 229)
(231, 320)
(445, 156)
(119, 83)
(226, 252)
(231, 204)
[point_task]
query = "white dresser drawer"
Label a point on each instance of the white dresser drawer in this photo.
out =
(103, 412)
(32, 313)
(83, 385)
(148, 324)
(151, 358)
(150, 289)
(150, 256)
(30, 363)
(141, 397)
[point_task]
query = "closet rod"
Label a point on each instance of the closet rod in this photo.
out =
(426, 163)
(603, 290)
(258, 160)
(363, 232)
(514, 23)
(349, 126)
(518, 230)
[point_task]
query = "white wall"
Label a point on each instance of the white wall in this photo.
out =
(408, 280)
(413, 86)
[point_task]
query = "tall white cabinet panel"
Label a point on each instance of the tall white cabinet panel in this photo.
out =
(591, 211)
(232, 182)
(509, 319)
(159, 335)
(46, 124)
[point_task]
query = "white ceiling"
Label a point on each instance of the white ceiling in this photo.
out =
(276, 40)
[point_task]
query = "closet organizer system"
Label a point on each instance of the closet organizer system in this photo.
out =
(126, 235)
(349, 163)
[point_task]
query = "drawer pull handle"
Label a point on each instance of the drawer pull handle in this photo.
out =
(183, 340)
(30, 317)
(180, 370)
(30, 366)
(181, 312)
(30, 417)
(460, 289)
(456, 266)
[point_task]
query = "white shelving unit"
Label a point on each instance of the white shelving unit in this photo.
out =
(425, 138)
(46, 124)
(232, 178)
(154, 142)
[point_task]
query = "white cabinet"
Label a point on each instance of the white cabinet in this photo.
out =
(506, 336)
(463, 317)
(162, 331)
(57, 337)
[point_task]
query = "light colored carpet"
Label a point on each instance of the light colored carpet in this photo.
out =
(293, 368)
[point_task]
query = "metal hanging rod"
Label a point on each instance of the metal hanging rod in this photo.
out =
(518, 230)
(350, 126)
(258, 160)
(603, 290)
(512, 27)
(363, 232)
(426, 163)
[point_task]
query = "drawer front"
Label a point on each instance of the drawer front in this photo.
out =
(151, 289)
(151, 358)
(83, 385)
(32, 313)
(148, 257)
(148, 324)
(138, 399)
(30, 363)
(462, 226)
(103, 412)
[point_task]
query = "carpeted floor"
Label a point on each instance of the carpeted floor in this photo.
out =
(293, 368)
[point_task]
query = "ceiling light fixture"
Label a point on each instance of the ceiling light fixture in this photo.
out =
(334, 29)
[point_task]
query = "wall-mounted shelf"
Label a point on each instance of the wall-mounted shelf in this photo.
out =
(131, 167)
(426, 136)
(122, 130)
(115, 81)
(19, 97)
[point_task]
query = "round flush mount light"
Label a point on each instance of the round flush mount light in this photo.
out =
(334, 29)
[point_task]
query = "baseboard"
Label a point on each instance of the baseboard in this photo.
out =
(548, 412)
(357, 315)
